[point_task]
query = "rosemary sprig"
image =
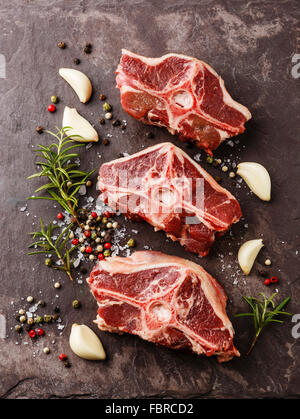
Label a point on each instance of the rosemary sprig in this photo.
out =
(57, 163)
(57, 247)
(261, 313)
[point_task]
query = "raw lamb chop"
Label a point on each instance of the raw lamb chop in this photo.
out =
(181, 93)
(165, 187)
(163, 299)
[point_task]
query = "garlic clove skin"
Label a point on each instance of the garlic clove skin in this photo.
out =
(79, 82)
(257, 178)
(248, 253)
(85, 343)
(79, 129)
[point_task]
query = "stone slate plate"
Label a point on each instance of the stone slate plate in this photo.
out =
(251, 46)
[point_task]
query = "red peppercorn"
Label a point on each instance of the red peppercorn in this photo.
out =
(60, 216)
(107, 245)
(88, 249)
(63, 357)
(75, 242)
(274, 280)
(87, 233)
(40, 332)
(107, 214)
(267, 281)
(100, 256)
(32, 334)
(51, 108)
(94, 214)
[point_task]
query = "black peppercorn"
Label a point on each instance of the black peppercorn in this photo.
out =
(102, 121)
(105, 141)
(102, 97)
(42, 303)
(56, 309)
(116, 123)
(76, 61)
(39, 129)
(123, 126)
(87, 49)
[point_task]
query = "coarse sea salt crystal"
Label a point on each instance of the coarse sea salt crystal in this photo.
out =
(197, 157)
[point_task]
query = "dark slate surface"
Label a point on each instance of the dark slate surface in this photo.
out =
(251, 44)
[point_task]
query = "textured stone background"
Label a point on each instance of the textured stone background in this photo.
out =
(251, 44)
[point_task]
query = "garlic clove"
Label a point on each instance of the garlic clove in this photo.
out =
(85, 343)
(79, 82)
(248, 253)
(257, 178)
(79, 129)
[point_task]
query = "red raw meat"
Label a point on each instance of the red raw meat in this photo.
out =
(181, 93)
(165, 187)
(163, 299)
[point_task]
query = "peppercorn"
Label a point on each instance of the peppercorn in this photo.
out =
(51, 108)
(67, 364)
(47, 318)
(209, 159)
(18, 328)
(63, 357)
(116, 123)
(100, 256)
(42, 303)
(131, 242)
(273, 280)
(61, 45)
(39, 129)
(106, 107)
(102, 121)
(108, 115)
(54, 99)
(102, 97)
(76, 61)
(46, 350)
(267, 281)
(88, 48)
(30, 321)
(104, 220)
(106, 253)
(29, 299)
(89, 183)
(23, 319)
(57, 285)
(105, 141)
(268, 262)
(32, 334)
(56, 309)
(107, 246)
(40, 332)
(123, 126)
(75, 242)
(55, 317)
(149, 135)
(38, 319)
(88, 249)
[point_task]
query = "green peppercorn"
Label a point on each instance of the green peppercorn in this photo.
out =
(106, 107)
(106, 253)
(76, 304)
(104, 220)
(209, 159)
(38, 319)
(48, 262)
(47, 318)
(131, 242)
(54, 99)
(94, 236)
(18, 328)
